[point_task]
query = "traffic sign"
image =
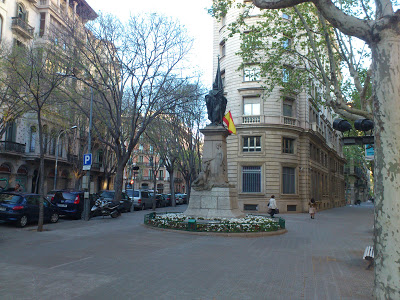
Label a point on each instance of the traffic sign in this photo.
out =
(87, 161)
(369, 152)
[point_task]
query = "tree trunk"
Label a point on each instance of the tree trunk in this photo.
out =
(119, 181)
(155, 190)
(172, 187)
(386, 82)
(41, 172)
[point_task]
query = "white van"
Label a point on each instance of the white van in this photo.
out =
(142, 199)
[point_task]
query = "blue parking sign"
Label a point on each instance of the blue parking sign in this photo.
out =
(87, 159)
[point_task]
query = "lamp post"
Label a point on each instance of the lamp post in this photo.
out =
(58, 140)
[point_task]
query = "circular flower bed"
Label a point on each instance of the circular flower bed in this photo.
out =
(250, 223)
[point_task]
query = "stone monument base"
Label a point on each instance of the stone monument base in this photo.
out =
(219, 202)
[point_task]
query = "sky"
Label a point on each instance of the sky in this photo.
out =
(190, 13)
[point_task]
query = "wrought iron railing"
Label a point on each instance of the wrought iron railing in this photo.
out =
(18, 22)
(6, 146)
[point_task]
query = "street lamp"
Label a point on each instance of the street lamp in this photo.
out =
(58, 140)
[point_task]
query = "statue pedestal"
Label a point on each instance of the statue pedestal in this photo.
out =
(219, 202)
(211, 195)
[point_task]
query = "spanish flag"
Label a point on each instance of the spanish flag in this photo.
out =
(228, 120)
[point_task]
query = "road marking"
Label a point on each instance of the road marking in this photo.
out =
(71, 262)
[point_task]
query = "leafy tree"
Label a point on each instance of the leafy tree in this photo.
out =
(380, 31)
(312, 58)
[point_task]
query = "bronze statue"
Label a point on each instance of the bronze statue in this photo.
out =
(215, 100)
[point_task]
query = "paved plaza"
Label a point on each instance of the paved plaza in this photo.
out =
(122, 259)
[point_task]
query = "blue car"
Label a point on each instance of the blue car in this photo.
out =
(22, 208)
(69, 203)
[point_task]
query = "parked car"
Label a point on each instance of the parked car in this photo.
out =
(126, 204)
(142, 199)
(182, 198)
(178, 198)
(69, 203)
(22, 208)
(161, 201)
(167, 199)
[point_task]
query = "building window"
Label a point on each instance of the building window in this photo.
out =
(100, 157)
(288, 180)
(251, 179)
(287, 109)
(140, 159)
(53, 143)
(251, 73)
(32, 139)
(287, 145)
(140, 147)
(21, 13)
(222, 48)
(286, 43)
(286, 74)
(251, 106)
(42, 24)
(251, 144)
(60, 145)
(161, 174)
(10, 132)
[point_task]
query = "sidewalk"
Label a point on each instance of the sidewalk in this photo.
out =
(121, 259)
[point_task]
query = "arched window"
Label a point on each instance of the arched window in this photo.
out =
(53, 138)
(5, 168)
(60, 145)
(21, 12)
(32, 139)
(10, 132)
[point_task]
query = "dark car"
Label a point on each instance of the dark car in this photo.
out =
(161, 201)
(23, 208)
(126, 204)
(69, 203)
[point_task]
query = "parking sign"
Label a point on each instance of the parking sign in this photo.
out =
(87, 161)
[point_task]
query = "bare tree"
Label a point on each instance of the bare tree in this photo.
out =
(191, 118)
(134, 72)
(35, 73)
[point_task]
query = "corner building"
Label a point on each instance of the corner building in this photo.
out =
(285, 145)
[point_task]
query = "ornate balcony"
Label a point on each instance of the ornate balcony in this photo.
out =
(21, 27)
(290, 121)
(251, 119)
(12, 148)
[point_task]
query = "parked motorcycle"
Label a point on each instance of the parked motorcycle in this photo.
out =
(104, 207)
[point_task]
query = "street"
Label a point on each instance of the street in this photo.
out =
(122, 259)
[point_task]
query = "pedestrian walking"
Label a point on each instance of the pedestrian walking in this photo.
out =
(272, 206)
(313, 208)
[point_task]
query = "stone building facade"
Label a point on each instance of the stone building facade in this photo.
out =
(23, 22)
(285, 145)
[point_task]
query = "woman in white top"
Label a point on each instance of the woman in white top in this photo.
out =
(272, 206)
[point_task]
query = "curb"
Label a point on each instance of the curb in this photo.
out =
(224, 234)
